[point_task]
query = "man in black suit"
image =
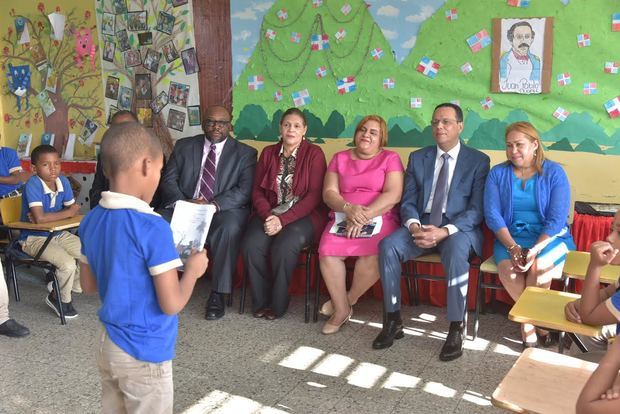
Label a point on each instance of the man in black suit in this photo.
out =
(229, 192)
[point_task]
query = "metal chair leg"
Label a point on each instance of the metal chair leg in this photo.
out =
(479, 292)
(13, 277)
(243, 291)
(56, 285)
(416, 287)
(317, 289)
(307, 290)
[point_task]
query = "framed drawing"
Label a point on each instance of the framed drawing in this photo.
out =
(522, 55)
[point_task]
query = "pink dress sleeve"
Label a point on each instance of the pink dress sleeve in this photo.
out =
(333, 164)
(393, 162)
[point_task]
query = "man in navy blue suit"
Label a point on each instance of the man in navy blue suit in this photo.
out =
(441, 211)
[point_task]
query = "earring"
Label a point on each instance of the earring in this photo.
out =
(534, 153)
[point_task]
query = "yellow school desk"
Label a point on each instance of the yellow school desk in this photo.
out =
(543, 382)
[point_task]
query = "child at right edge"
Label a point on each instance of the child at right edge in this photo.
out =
(128, 255)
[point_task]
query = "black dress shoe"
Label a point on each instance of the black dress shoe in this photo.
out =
(215, 306)
(259, 313)
(13, 329)
(392, 329)
(453, 347)
(270, 315)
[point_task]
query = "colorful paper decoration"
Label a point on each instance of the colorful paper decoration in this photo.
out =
(277, 97)
(18, 79)
(301, 98)
(466, 68)
(611, 67)
(583, 40)
(317, 3)
(451, 14)
(346, 9)
(389, 83)
(255, 82)
(428, 67)
(615, 22)
(21, 31)
(613, 107)
(320, 42)
(340, 34)
(282, 14)
(518, 3)
(321, 72)
(376, 53)
(270, 34)
(487, 103)
(561, 113)
(590, 88)
(295, 37)
(415, 103)
(84, 46)
(346, 85)
(564, 79)
(479, 41)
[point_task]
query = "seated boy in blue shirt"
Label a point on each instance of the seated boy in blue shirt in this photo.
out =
(129, 256)
(12, 176)
(48, 197)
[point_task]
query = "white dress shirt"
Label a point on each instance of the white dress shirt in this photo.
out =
(453, 153)
(205, 152)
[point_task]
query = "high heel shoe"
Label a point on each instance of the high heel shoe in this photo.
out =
(329, 329)
(327, 309)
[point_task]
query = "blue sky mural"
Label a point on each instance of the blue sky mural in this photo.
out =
(399, 20)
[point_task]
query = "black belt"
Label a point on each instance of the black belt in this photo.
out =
(13, 193)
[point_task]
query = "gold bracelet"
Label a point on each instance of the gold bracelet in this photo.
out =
(513, 246)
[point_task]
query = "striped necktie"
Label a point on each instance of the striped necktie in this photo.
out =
(207, 181)
(441, 190)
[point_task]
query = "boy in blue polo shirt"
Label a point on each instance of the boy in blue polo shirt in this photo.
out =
(128, 255)
(48, 197)
(12, 177)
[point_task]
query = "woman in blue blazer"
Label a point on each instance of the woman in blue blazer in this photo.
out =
(526, 204)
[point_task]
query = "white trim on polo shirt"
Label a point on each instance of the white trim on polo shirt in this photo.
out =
(117, 201)
(164, 267)
(53, 194)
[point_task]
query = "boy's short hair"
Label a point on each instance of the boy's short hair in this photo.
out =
(123, 143)
(123, 114)
(40, 150)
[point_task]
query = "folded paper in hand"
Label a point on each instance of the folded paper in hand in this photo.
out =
(190, 225)
(368, 230)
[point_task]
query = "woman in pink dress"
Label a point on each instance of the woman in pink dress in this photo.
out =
(362, 183)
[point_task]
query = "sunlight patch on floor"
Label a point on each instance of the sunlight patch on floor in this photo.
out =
(222, 402)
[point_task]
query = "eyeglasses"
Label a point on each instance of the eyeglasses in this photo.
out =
(445, 122)
(216, 122)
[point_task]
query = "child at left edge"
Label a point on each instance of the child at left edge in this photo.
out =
(48, 197)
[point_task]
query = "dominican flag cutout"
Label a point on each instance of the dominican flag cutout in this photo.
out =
(518, 3)
(277, 97)
(466, 68)
(346, 85)
(428, 67)
(295, 37)
(320, 42)
(321, 72)
(376, 53)
(451, 14)
(583, 40)
(561, 114)
(613, 107)
(564, 79)
(270, 34)
(487, 103)
(346, 9)
(611, 67)
(389, 83)
(282, 14)
(317, 3)
(590, 88)
(415, 103)
(255, 82)
(340, 34)
(479, 41)
(615, 22)
(301, 98)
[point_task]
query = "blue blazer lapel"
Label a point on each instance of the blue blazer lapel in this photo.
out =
(225, 165)
(429, 170)
(462, 162)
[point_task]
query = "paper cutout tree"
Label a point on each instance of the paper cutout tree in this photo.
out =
(180, 36)
(77, 97)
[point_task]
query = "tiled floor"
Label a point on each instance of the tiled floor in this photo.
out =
(241, 365)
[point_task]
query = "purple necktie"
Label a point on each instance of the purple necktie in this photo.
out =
(207, 181)
(441, 190)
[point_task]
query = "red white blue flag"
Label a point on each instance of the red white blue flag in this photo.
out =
(255, 82)
(561, 114)
(428, 67)
(564, 79)
(301, 98)
(346, 85)
(613, 107)
(320, 42)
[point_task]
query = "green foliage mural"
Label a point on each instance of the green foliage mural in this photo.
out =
(286, 67)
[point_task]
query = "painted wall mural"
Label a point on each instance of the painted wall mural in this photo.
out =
(52, 80)
(333, 59)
